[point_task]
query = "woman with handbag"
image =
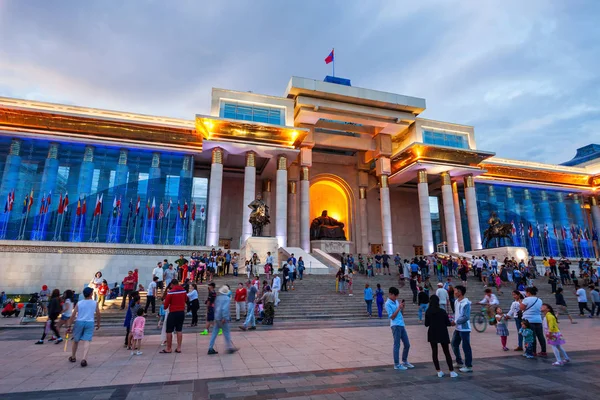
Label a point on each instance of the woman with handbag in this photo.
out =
(531, 307)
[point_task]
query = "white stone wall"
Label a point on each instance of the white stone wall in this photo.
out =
(26, 269)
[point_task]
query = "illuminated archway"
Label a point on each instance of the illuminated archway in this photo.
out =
(328, 192)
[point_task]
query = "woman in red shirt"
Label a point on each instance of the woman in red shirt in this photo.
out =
(240, 300)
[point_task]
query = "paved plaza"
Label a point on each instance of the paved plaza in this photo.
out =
(287, 363)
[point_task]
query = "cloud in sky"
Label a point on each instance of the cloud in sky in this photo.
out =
(524, 73)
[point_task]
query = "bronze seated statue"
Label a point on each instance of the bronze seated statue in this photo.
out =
(325, 227)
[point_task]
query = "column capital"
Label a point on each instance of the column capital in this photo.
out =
(267, 185)
(446, 178)
(527, 194)
(53, 151)
(422, 176)
(217, 156)
(576, 198)
(304, 174)
(281, 162)
(469, 182)
(509, 193)
(560, 197)
(544, 195)
(491, 191)
(383, 181)
(123, 157)
(250, 159)
(593, 201)
(292, 187)
(362, 192)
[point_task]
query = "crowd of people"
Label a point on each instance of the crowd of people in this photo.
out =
(173, 295)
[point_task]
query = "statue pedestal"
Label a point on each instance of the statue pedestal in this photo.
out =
(331, 246)
(260, 246)
(519, 253)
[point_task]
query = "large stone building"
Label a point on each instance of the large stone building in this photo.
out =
(140, 187)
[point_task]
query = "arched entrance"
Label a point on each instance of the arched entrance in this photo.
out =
(329, 192)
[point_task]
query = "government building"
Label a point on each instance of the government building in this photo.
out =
(87, 189)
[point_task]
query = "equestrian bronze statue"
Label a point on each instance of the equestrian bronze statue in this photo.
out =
(496, 230)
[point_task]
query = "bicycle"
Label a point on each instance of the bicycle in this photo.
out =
(480, 320)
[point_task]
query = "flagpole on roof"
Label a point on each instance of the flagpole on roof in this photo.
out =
(333, 63)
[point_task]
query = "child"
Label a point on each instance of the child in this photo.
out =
(501, 327)
(379, 298)
(161, 316)
(102, 292)
(369, 299)
(137, 332)
(528, 338)
(210, 308)
(553, 335)
(498, 283)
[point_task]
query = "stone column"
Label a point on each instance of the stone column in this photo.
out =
(215, 187)
(386, 215)
(304, 209)
(86, 173)
(459, 232)
(292, 214)
(595, 209)
(472, 215)
(10, 176)
(249, 195)
(281, 201)
(47, 186)
(425, 212)
(266, 195)
(449, 218)
(363, 213)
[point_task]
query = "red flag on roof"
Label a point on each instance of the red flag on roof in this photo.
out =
(329, 57)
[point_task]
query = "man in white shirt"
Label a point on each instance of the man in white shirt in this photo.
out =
(151, 296)
(443, 295)
(581, 300)
(276, 288)
(490, 301)
(479, 266)
(159, 273)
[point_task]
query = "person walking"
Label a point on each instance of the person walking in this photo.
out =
(151, 295)
(250, 323)
(175, 302)
(595, 295)
(413, 287)
(581, 300)
(222, 318)
(268, 302)
(210, 308)
(54, 309)
(159, 273)
(276, 288)
(85, 313)
(561, 304)
(423, 301)
(436, 319)
(532, 312)
(368, 296)
(379, 300)
(394, 309)
(442, 295)
(462, 333)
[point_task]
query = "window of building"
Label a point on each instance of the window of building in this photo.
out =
(250, 112)
(457, 140)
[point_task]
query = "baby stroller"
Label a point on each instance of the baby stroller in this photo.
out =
(33, 309)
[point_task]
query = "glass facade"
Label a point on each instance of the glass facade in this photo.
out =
(546, 222)
(456, 140)
(83, 193)
(251, 112)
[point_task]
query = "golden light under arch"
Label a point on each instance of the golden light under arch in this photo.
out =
(328, 193)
